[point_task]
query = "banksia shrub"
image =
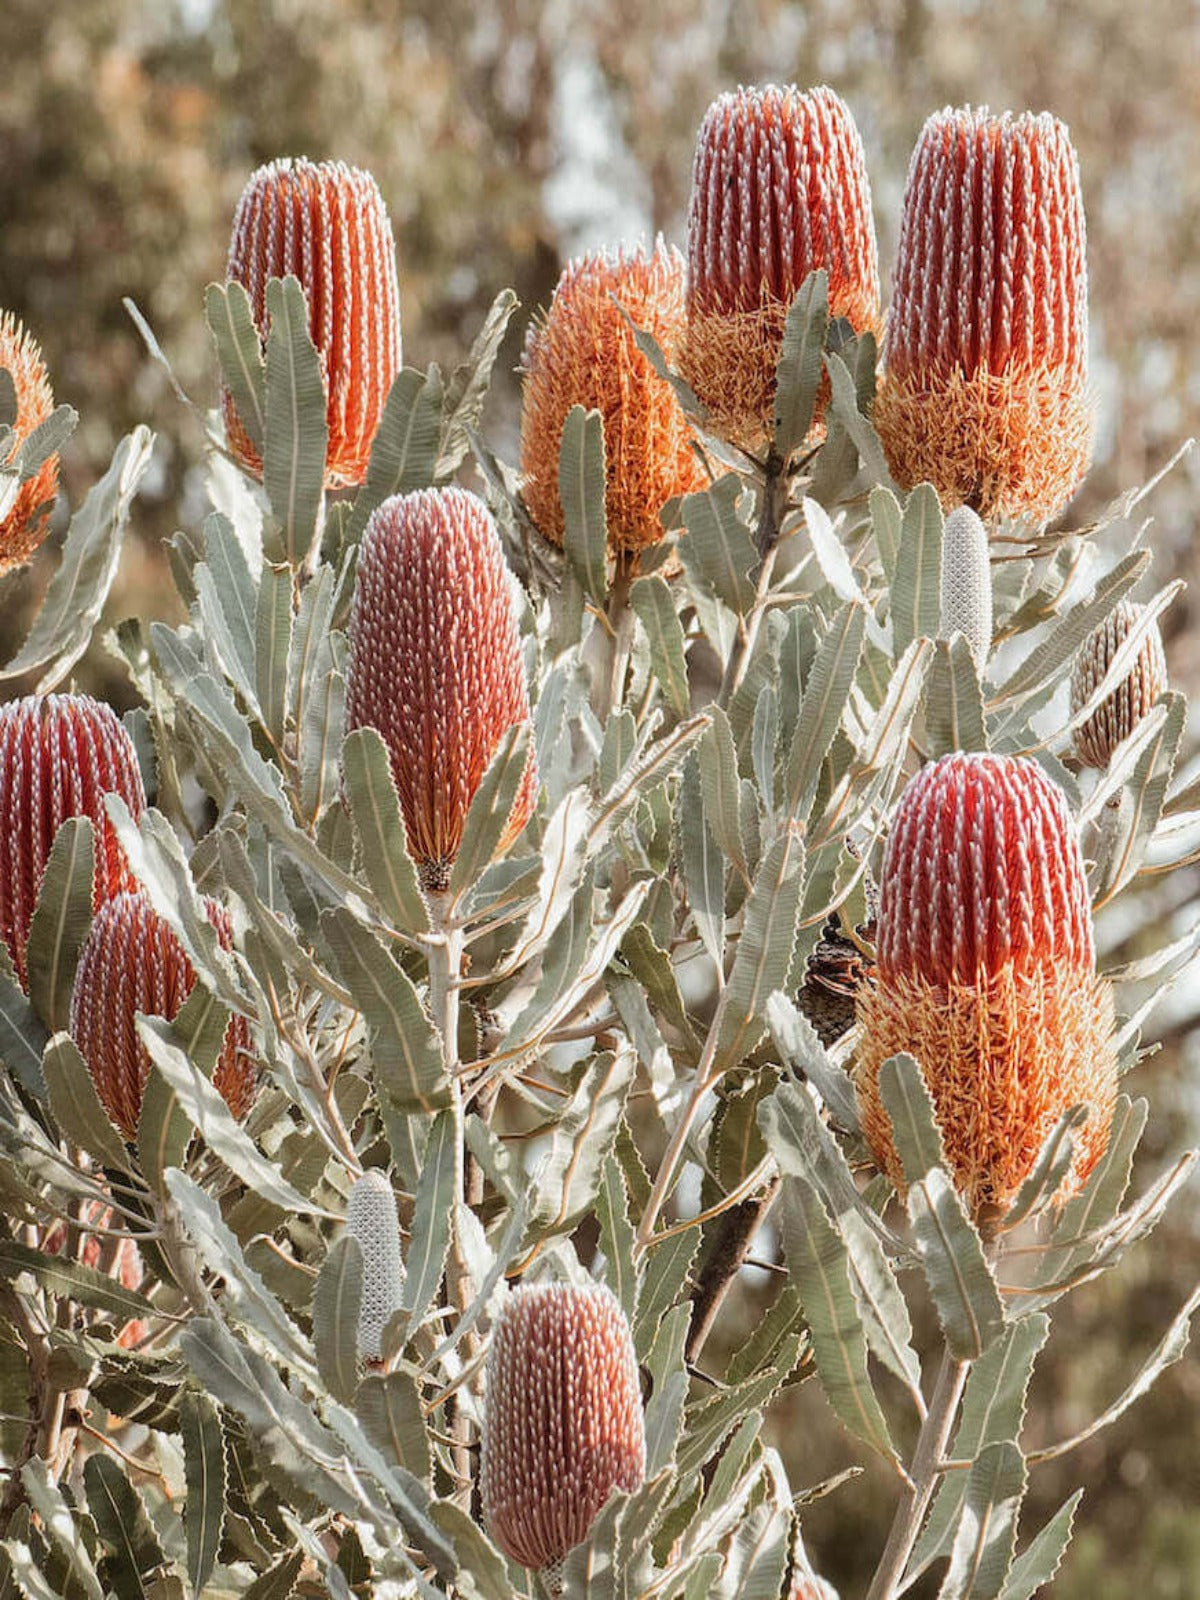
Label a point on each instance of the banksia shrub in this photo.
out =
(59, 756)
(563, 1425)
(27, 520)
(131, 961)
(325, 224)
(125, 1264)
(583, 353)
(986, 389)
(1120, 712)
(986, 975)
(371, 1220)
(779, 188)
(967, 583)
(435, 664)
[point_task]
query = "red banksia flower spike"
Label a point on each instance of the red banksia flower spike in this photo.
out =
(1120, 712)
(59, 756)
(986, 974)
(779, 189)
(325, 224)
(131, 961)
(371, 1219)
(435, 664)
(986, 391)
(26, 521)
(563, 1424)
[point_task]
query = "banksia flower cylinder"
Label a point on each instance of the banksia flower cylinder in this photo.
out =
(325, 224)
(779, 189)
(986, 975)
(986, 388)
(967, 583)
(435, 664)
(371, 1220)
(583, 353)
(25, 521)
(563, 1424)
(59, 756)
(131, 961)
(1120, 712)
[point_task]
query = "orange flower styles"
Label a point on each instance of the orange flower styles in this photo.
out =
(779, 188)
(435, 664)
(27, 520)
(986, 975)
(986, 388)
(326, 225)
(59, 756)
(1120, 712)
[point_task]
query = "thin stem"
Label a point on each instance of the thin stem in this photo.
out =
(609, 691)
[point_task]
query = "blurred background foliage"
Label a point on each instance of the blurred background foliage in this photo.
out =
(507, 136)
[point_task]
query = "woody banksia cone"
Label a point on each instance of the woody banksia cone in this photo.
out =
(1120, 712)
(986, 975)
(325, 224)
(985, 394)
(371, 1219)
(26, 521)
(59, 756)
(563, 1424)
(779, 189)
(435, 664)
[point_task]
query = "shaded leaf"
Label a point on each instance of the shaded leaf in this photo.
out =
(61, 921)
(798, 370)
(295, 433)
(230, 318)
(337, 1298)
(205, 1473)
(987, 1531)
(404, 455)
(581, 488)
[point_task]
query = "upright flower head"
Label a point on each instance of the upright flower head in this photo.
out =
(986, 389)
(26, 521)
(986, 975)
(59, 756)
(435, 663)
(1120, 712)
(583, 353)
(779, 188)
(563, 1425)
(130, 962)
(325, 224)
(967, 583)
(371, 1219)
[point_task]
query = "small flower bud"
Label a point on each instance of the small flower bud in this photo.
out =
(1119, 713)
(967, 583)
(27, 520)
(371, 1219)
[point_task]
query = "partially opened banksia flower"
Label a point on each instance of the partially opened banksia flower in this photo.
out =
(779, 188)
(59, 756)
(1120, 712)
(371, 1219)
(986, 391)
(435, 664)
(26, 521)
(563, 1424)
(583, 353)
(967, 583)
(986, 975)
(325, 224)
(131, 961)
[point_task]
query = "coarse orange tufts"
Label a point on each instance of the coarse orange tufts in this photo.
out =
(583, 353)
(779, 189)
(986, 975)
(325, 224)
(1119, 713)
(131, 961)
(563, 1424)
(59, 756)
(26, 522)
(435, 664)
(986, 392)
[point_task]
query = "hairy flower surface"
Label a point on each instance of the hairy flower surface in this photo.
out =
(371, 1219)
(583, 353)
(779, 188)
(131, 961)
(967, 583)
(1120, 712)
(59, 756)
(27, 520)
(986, 975)
(986, 389)
(435, 664)
(325, 224)
(563, 1424)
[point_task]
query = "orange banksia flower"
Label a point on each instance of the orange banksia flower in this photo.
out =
(27, 521)
(986, 389)
(325, 224)
(583, 353)
(563, 1425)
(1120, 712)
(59, 756)
(435, 664)
(131, 961)
(779, 188)
(986, 975)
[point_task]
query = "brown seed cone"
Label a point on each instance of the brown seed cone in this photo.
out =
(59, 756)
(325, 224)
(833, 975)
(1119, 713)
(27, 521)
(131, 961)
